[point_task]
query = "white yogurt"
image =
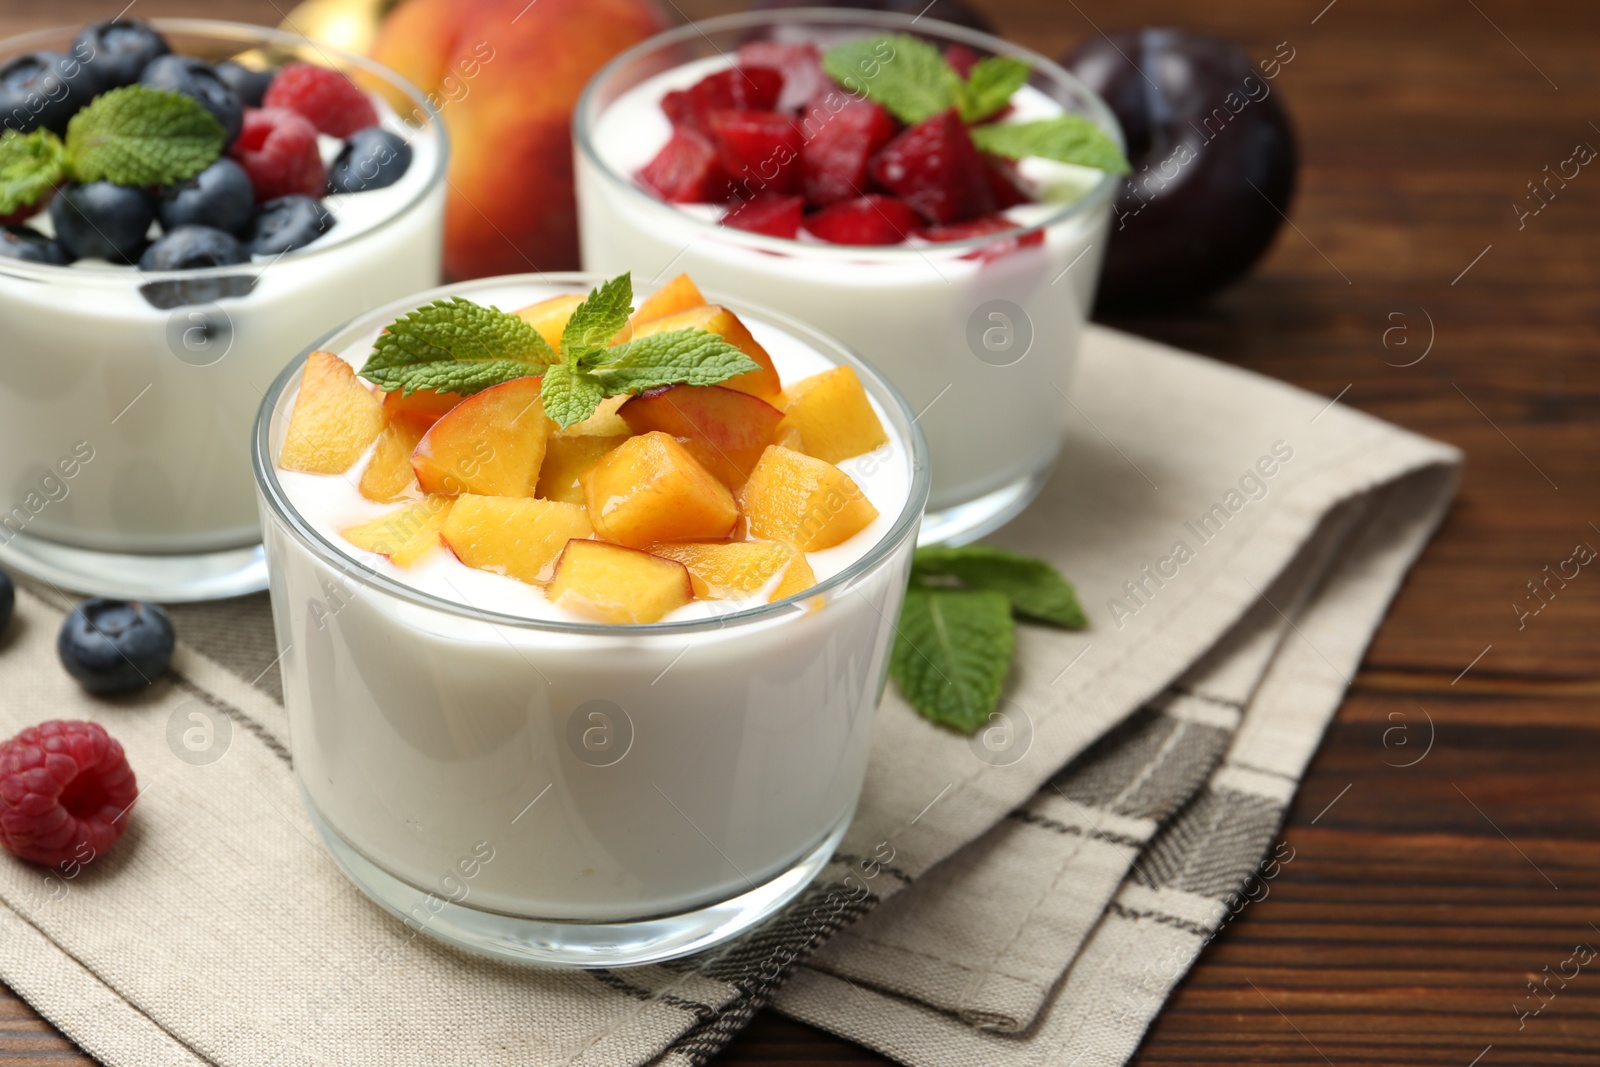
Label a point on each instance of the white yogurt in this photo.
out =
(984, 350)
(164, 399)
(667, 768)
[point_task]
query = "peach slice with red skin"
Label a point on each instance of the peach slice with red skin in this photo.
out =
(491, 444)
(423, 407)
(405, 534)
(615, 584)
(516, 536)
(335, 418)
(737, 569)
(805, 501)
(831, 416)
(762, 382)
(727, 430)
(650, 488)
(680, 294)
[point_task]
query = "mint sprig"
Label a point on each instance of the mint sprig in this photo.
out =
(31, 164)
(914, 82)
(457, 346)
(956, 635)
(137, 135)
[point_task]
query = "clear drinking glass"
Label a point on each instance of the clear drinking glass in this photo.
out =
(127, 396)
(574, 793)
(980, 336)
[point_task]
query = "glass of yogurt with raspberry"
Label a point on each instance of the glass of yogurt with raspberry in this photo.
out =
(147, 309)
(590, 694)
(796, 158)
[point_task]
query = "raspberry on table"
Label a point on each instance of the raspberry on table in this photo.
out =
(278, 150)
(332, 102)
(65, 792)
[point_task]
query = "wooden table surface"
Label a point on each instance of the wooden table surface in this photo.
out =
(1424, 898)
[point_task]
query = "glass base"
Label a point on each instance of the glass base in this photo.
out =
(175, 579)
(560, 943)
(964, 523)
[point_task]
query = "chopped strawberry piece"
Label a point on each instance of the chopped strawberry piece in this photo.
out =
(800, 65)
(686, 171)
(760, 149)
(775, 216)
(961, 59)
(1005, 183)
(736, 89)
(833, 163)
(867, 220)
(935, 168)
(983, 227)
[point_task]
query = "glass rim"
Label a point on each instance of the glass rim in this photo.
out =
(270, 488)
(245, 33)
(585, 116)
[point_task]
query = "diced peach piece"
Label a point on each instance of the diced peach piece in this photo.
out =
(389, 474)
(403, 535)
(550, 318)
(423, 407)
(740, 568)
(518, 537)
(605, 422)
(491, 444)
(805, 501)
(680, 294)
(612, 583)
(335, 418)
(651, 489)
(726, 430)
(763, 382)
(832, 416)
(566, 458)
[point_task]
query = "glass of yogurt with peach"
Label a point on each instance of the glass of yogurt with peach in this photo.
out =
(150, 298)
(935, 197)
(587, 606)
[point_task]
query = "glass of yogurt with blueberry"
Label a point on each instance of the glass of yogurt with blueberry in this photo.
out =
(185, 204)
(935, 197)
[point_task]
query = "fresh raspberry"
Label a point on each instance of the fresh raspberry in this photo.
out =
(278, 149)
(331, 101)
(65, 791)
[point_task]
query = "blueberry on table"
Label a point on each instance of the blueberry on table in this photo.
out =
(220, 196)
(287, 223)
(118, 50)
(371, 159)
(956, 11)
(43, 89)
(20, 242)
(1213, 160)
(194, 77)
(8, 600)
(115, 646)
(102, 220)
(193, 248)
(247, 83)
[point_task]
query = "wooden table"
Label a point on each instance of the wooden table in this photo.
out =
(1423, 898)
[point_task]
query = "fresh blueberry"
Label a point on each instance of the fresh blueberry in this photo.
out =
(287, 223)
(220, 196)
(8, 600)
(371, 159)
(20, 242)
(115, 646)
(103, 221)
(194, 77)
(118, 50)
(249, 85)
(44, 89)
(193, 248)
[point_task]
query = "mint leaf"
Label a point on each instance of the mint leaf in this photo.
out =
(1065, 139)
(905, 74)
(952, 652)
(570, 396)
(449, 376)
(1033, 587)
(688, 357)
(456, 346)
(136, 135)
(990, 86)
(31, 164)
(595, 321)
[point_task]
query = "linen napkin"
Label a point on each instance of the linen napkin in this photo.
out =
(1235, 542)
